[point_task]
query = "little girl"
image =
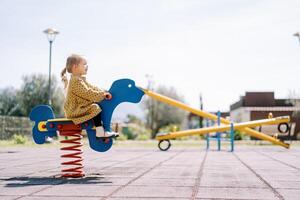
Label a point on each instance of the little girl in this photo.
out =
(82, 97)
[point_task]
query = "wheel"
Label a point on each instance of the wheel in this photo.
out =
(164, 145)
(283, 127)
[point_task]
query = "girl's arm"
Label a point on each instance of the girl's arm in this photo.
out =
(83, 90)
(94, 87)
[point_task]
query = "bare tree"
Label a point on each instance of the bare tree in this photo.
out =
(8, 102)
(34, 91)
(160, 114)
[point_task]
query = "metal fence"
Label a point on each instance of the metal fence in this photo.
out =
(14, 125)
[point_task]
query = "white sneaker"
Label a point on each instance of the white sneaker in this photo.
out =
(111, 134)
(100, 133)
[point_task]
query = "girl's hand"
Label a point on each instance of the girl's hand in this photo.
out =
(108, 96)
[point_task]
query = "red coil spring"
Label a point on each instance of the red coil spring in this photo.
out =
(77, 171)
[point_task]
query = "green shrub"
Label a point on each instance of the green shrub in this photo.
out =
(169, 128)
(130, 132)
(238, 135)
(143, 137)
(121, 137)
(134, 131)
(19, 139)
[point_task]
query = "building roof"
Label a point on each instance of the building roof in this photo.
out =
(263, 100)
(278, 108)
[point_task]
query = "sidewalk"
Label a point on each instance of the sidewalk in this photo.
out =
(144, 173)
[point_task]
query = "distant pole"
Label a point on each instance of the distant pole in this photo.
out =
(207, 136)
(201, 108)
(51, 34)
(218, 133)
(297, 35)
(232, 136)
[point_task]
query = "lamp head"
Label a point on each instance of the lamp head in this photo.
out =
(51, 34)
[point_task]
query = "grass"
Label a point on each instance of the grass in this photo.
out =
(146, 144)
(25, 141)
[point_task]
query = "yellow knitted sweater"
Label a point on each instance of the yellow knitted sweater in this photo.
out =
(81, 100)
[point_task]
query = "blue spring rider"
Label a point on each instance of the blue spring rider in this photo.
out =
(46, 125)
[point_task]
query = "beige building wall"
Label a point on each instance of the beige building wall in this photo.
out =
(241, 114)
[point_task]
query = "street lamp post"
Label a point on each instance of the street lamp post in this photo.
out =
(51, 34)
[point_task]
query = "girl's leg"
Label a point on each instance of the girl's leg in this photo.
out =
(97, 120)
(98, 124)
(100, 132)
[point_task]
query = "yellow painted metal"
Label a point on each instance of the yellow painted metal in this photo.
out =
(59, 120)
(40, 126)
(207, 115)
(222, 128)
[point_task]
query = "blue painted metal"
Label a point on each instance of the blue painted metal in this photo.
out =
(123, 90)
(218, 133)
(232, 136)
(207, 135)
(98, 144)
(38, 114)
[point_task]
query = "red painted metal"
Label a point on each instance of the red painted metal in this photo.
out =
(74, 167)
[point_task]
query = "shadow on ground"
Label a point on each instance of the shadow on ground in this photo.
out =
(29, 181)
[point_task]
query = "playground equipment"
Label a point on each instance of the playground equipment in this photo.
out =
(218, 137)
(125, 90)
(46, 125)
(243, 127)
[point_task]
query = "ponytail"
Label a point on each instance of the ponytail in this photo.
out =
(64, 77)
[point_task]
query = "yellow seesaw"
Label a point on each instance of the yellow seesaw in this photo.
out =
(243, 127)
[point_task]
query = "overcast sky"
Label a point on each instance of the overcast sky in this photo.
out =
(220, 48)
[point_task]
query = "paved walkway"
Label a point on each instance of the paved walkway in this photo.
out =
(252, 172)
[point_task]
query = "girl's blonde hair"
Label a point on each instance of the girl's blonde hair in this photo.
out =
(73, 59)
